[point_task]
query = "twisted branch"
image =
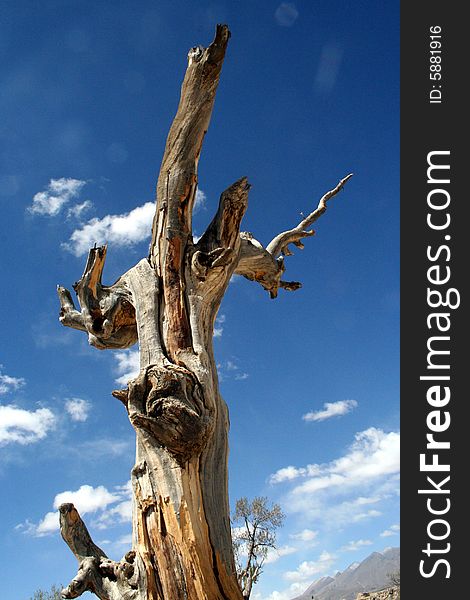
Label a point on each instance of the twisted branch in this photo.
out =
(266, 265)
(108, 579)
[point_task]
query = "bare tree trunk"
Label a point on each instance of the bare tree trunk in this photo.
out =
(182, 546)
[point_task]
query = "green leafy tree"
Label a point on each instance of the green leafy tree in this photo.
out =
(253, 535)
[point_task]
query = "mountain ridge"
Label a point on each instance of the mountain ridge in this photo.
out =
(369, 575)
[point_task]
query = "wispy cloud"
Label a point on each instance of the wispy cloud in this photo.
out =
(21, 426)
(58, 193)
(218, 327)
(348, 489)
(306, 535)
(356, 545)
(78, 409)
(394, 530)
(331, 409)
(274, 554)
(8, 383)
(229, 369)
(87, 500)
(76, 211)
(200, 200)
(309, 569)
(328, 68)
(128, 365)
(374, 453)
(286, 14)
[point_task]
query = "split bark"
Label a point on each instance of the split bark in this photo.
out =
(182, 546)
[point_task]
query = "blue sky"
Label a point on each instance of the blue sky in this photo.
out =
(309, 92)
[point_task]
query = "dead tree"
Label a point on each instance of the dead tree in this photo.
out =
(168, 302)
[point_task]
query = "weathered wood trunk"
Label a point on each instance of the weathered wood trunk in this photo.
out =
(168, 302)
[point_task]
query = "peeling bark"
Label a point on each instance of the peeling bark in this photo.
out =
(182, 547)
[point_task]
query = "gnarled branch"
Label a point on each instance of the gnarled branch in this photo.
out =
(266, 265)
(108, 579)
(279, 245)
(107, 312)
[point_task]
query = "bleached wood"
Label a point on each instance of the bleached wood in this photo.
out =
(182, 546)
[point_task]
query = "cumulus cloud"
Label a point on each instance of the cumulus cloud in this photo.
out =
(127, 229)
(128, 365)
(286, 14)
(21, 426)
(87, 500)
(78, 409)
(290, 473)
(331, 409)
(58, 193)
(8, 383)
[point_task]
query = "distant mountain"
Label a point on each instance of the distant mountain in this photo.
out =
(369, 575)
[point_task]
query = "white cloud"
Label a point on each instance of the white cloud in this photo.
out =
(78, 409)
(128, 365)
(356, 545)
(24, 427)
(294, 590)
(76, 211)
(241, 376)
(394, 529)
(308, 569)
(200, 200)
(306, 535)
(218, 328)
(290, 473)
(125, 230)
(366, 515)
(58, 193)
(374, 453)
(8, 383)
(340, 492)
(121, 230)
(331, 409)
(49, 524)
(229, 369)
(87, 499)
(274, 554)
(286, 14)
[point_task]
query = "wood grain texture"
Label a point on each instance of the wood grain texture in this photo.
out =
(168, 302)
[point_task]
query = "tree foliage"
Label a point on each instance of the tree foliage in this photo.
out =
(253, 538)
(52, 594)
